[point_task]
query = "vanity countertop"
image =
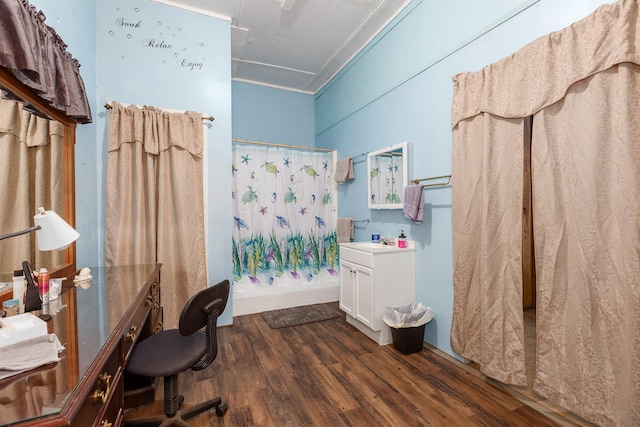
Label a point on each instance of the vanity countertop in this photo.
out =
(378, 247)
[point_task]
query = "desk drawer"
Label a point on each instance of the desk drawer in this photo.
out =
(131, 335)
(107, 384)
(154, 300)
(113, 413)
(147, 312)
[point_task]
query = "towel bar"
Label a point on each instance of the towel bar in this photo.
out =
(417, 181)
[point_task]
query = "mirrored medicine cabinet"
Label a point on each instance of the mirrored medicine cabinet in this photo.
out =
(388, 174)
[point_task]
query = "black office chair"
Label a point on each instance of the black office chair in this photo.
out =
(170, 352)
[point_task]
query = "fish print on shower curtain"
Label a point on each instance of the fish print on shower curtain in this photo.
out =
(285, 214)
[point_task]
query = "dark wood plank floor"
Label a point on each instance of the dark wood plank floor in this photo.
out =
(329, 374)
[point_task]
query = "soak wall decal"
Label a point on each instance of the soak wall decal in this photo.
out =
(135, 28)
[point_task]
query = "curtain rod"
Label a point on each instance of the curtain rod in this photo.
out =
(273, 144)
(210, 118)
(416, 181)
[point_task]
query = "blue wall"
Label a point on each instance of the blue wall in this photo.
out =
(398, 89)
(372, 104)
(267, 114)
(153, 54)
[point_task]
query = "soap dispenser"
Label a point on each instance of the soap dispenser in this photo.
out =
(402, 240)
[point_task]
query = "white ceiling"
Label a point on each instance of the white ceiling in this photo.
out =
(296, 44)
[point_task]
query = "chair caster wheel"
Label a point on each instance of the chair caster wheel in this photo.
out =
(221, 409)
(180, 400)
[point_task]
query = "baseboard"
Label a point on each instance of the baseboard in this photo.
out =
(274, 299)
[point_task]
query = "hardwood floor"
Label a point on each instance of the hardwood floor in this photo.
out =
(330, 374)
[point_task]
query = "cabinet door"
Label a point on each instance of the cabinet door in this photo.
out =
(364, 295)
(347, 287)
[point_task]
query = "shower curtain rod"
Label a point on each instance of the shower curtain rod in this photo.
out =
(417, 181)
(210, 118)
(273, 144)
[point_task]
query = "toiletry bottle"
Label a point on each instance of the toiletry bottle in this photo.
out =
(402, 240)
(43, 285)
(19, 288)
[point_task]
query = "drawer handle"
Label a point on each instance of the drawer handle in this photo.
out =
(149, 300)
(99, 395)
(131, 335)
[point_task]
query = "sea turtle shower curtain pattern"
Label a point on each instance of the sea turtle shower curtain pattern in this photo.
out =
(284, 213)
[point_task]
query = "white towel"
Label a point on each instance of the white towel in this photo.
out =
(345, 230)
(413, 205)
(29, 354)
(344, 170)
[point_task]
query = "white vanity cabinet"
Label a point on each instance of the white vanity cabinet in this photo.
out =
(372, 277)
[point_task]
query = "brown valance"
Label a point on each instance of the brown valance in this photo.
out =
(38, 57)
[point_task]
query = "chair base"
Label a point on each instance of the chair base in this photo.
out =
(181, 415)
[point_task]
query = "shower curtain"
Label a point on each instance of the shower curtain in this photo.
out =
(581, 88)
(284, 217)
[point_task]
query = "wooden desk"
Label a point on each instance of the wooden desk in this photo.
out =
(98, 326)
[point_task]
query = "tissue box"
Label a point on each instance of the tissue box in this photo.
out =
(21, 327)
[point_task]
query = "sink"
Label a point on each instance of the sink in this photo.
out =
(376, 247)
(369, 245)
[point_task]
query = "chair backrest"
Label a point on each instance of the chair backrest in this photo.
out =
(196, 311)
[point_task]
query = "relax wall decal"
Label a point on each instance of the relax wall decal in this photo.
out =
(133, 25)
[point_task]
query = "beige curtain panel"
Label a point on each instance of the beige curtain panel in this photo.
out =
(32, 161)
(580, 87)
(154, 206)
(488, 325)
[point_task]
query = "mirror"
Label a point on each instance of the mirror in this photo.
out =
(388, 174)
(50, 184)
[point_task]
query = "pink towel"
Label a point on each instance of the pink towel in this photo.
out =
(413, 205)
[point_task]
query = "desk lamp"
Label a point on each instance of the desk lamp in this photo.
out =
(52, 233)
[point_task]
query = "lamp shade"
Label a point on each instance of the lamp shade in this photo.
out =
(54, 233)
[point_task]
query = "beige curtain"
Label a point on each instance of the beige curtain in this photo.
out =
(488, 326)
(586, 198)
(581, 87)
(154, 207)
(32, 161)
